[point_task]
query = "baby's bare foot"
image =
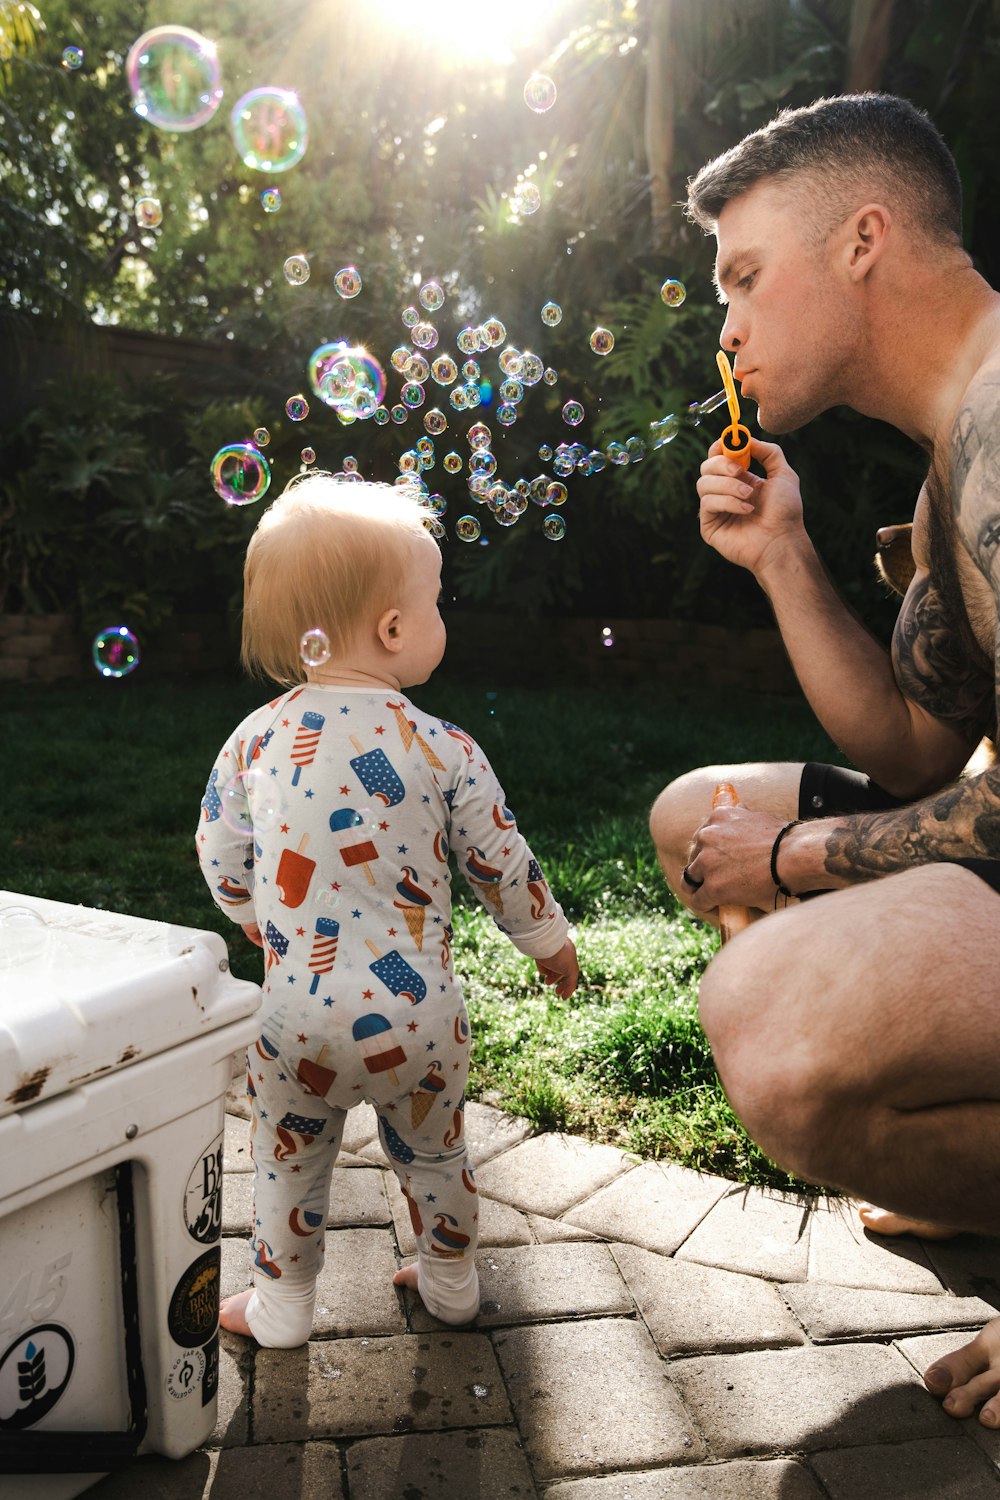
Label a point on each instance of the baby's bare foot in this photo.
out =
(884, 1221)
(233, 1313)
(407, 1276)
(969, 1376)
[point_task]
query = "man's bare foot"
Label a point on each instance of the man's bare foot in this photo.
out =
(969, 1376)
(233, 1313)
(884, 1221)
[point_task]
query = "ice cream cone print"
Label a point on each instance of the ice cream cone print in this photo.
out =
(484, 877)
(408, 733)
(423, 1096)
(413, 904)
(491, 893)
(414, 917)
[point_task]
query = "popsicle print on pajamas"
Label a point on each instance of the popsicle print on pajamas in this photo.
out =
(306, 741)
(362, 853)
(377, 775)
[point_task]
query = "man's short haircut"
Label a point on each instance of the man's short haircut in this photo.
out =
(853, 148)
(327, 555)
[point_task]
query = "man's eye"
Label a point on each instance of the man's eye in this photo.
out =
(747, 281)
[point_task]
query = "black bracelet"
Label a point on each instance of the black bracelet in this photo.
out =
(782, 889)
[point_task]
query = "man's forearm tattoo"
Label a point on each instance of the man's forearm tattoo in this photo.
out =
(960, 822)
(933, 666)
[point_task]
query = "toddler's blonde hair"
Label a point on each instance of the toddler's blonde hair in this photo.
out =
(327, 555)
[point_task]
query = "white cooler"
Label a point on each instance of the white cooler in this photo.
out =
(116, 1044)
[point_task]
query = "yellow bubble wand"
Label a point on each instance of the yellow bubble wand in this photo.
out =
(735, 439)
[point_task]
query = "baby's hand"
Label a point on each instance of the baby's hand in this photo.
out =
(252, 931)
(561, 969)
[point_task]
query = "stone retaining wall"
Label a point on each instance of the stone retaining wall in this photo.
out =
(501, 649)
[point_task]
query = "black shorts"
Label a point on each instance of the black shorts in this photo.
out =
(825, 791)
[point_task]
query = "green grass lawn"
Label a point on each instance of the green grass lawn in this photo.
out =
(100, 798)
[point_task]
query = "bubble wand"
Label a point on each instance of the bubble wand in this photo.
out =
(735, 439)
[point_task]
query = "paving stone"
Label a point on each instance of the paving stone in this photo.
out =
(656, 1206)
(555, 1231)
(360, 1129)
(152, 1477)
(968, 1266)
(923, 1351)
(761, 1233)
(542, 1283)
(357, 1197)
(287, 1471)
(235, 1271)
(691, 1308)
(235, 1365)
(361, 1387)
(237, 1202)
(947, 1468)
(841, 1312)
(488, 1464)
(806, 1399)
(498, 1224)
(776, 1479)
(593, 1397)
(491, 1131)
(843, 1252)
(236, 1146)
(355, 1294)
(549, 1173)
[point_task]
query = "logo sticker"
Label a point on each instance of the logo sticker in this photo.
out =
(193, 1314)
(34, 1372)
(203, 1195)
(186, 1374)
(210, 1381)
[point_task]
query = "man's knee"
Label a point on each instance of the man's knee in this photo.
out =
(681, 808)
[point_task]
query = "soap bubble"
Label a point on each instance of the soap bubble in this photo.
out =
(510, 361)
(412, 395)
(532, 369)
(408, 462)
(664, 431)
(115, 651)
(495, 332)
(424, 335)
(347, 282)
(471, 370)
(296, 269)
(148, 213)
(479, 435)
(308, 455)
(296, 408)
(607, 636)
(602, 341)
(314, 648)
(438, 504)
(435, 527)
(556, 493)
(511, 390)
(72, 58)
(539, 93)
(551, 314)
(673, 293)
(711, 403)
(347, 378)
(269, 129)
(432, 296)
(270, 200)
(572, 413)
(410, 317)
(350, 464)
(399, 413)
(240, 474)
(482, 461)
(545, 453)
(468, 529)
(251, 802)
(425, 447)
(616, 453)
(400, 357)
(381, 415)
(435, 421)
(452, 462)
(636, 449)
(507, 414)
(458, 398)
(467, 340)
(173, 76)
(527, 198)
(550, 376)
(444, 369)
(261, 437)
(554, 527)
(416, 368)
(473, 395)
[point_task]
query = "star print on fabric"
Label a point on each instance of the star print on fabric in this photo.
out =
(470, 781)
(425, 798)
(442, 989)
(380, 729)
(335, 885)
(430, 1198)
(297, 1169)
(432, 732)
(344, 709)
(215, 862)
(284, 827)
(430, 1046)
(402, 849)
(391, 931)
(328, 1000)
(437, 919)
(383, 827)
(355, 913)
(366, 994)
(285, 723)
(271, 1177)
(300, 932)
(310, 793)
(412, 1026)
(344, 790)
(462, 833)
(274, 770)
(293, 1258)
(282, 1077)
(302, 1038)
(260, 1078)
(290, 979)
(506, 852)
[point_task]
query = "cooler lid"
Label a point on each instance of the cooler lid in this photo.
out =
(84, 992)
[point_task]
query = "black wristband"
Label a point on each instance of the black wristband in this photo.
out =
(782, 889)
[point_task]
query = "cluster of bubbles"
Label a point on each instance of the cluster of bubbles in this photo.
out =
(115, 651)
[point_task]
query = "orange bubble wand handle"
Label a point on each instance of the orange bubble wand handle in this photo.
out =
(732, 919)
(735, 439)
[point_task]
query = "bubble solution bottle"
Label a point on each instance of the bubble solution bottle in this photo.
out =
(732, 919)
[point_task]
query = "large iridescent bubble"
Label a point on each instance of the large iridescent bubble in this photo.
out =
(347, 378)
(240, 473)
(269, 129)
(173, 75)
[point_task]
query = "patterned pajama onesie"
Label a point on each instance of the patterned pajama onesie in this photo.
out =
(328, 820)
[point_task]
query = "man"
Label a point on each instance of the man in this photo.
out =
(858, 1034)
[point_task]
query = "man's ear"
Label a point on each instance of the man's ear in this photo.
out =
(390, 629)
(869, 235)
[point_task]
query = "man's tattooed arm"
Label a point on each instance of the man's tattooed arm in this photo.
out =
(961, 822)
(933, 668)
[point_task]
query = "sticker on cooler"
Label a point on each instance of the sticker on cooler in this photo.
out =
(34, 1373)
(34, 1296)
(186, 1374)
(193, 1313)
(203, 1195)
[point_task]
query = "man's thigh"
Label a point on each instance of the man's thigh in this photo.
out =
(888, 988)
(684, 805)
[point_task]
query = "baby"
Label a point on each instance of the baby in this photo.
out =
(325, 833)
